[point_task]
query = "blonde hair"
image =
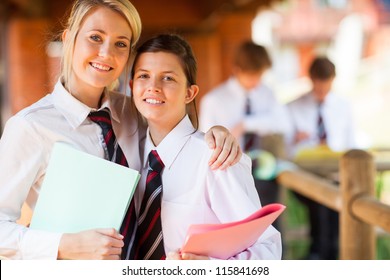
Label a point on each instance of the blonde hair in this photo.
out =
(79, 11)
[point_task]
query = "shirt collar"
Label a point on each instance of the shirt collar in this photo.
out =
(238, 89)
(107, 102)
(172, 144)
(327, 100)
(74, 111)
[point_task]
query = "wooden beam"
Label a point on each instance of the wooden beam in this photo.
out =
(181, 15)
(169, 15)
(313, 187)
(372, 212)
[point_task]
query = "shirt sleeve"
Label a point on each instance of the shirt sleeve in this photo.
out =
(234, 197)
(22, 161)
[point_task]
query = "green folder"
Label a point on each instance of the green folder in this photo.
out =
(81, 191)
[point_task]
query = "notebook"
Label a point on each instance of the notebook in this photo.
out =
(81, 191)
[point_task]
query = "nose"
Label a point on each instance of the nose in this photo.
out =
(105, 50)
(154, 86)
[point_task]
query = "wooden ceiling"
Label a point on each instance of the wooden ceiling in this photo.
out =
(190, 14)
(156, 15)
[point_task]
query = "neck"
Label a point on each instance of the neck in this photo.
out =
(158, 131)
(157, 134)
(89, 96)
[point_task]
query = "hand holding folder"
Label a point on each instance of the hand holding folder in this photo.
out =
(81, 191)
(223, 241)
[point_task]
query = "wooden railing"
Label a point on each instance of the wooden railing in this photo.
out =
(354, 198)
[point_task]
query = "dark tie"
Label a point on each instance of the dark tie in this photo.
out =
(149, 234)
(321, 127)
(115, 154)
(250, 139)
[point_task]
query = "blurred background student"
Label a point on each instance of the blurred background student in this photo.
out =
(249, 108)
(321, 119)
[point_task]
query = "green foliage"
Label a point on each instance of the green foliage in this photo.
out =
(383, 247)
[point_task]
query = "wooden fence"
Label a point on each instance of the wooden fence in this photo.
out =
(360, 211)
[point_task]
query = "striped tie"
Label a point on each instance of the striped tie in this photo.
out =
(115, 154)
(321, 132)
(149, 234)
(251, 140)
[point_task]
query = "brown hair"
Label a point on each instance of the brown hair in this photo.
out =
(251, 57)
(322, 69)
(177, 45)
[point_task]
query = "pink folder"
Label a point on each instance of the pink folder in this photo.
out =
(223, 241)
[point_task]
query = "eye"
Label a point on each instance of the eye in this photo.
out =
(95, 38)
(121, 44)
(142, 76)
(168, 78)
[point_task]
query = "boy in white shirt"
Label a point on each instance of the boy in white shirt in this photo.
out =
(320, 117)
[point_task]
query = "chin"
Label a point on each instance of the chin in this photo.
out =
(149, 116)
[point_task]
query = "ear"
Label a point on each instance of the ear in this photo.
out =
(64, 35)
(131, 84)
(192, 92)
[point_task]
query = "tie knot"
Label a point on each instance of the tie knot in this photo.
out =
(155, 162)
(101, 117)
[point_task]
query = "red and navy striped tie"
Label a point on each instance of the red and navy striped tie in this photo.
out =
(149, 233)
(115, 154)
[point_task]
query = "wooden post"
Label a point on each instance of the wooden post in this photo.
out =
(357, 179)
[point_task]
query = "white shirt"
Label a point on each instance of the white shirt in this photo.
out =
(337, 117)
(193, 193)
(25, 148)
(225, 105)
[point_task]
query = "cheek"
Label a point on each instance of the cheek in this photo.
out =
(136, 91)
(122, 58)
(82, 53)
(138, 103)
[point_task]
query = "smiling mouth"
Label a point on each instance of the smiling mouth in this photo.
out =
(100, 66)
(153, 101)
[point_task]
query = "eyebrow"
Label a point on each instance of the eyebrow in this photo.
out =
(164, 72)
(171, 72)
(120, 37)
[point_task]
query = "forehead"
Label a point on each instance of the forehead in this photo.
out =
(107, 20)
(162, 60)
(321, 82)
